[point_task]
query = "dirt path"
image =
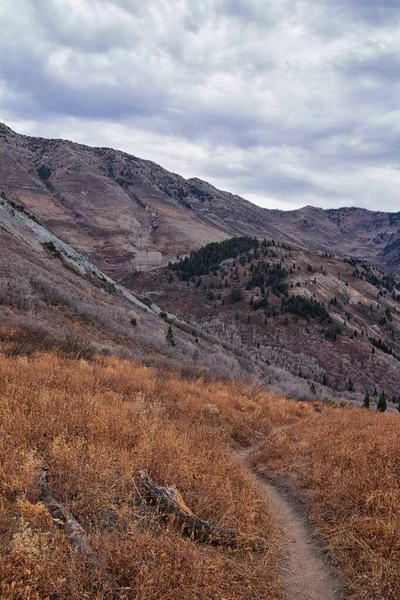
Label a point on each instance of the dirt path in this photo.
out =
(306, 573)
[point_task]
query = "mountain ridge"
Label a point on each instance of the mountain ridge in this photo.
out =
(132, 214)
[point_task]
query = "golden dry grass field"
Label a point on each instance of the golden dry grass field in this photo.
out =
(97, 423)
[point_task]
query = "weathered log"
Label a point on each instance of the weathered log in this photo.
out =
(72, 528)
(170, 505)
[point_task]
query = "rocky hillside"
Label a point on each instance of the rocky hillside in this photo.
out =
(234, 312)
(130, 214)
(315, 323)
(373, 236)
(52, 297)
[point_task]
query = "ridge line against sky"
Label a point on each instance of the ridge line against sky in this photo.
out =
(286, 103)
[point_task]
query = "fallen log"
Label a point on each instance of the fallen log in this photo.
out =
(72, 528)
(170, 505)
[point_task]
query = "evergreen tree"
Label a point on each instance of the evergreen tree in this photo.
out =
(382, 404)
(170, 336)
(236, 294)
(366, 400)
(208, 259)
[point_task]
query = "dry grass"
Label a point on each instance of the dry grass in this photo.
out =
(96, 424)
(349, 461)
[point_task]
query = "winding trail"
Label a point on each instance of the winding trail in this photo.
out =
(305, 572)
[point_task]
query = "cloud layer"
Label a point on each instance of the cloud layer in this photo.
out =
(286, 102)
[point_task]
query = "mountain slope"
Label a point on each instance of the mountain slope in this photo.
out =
(53, 297)
(332, 322)
(131, 214)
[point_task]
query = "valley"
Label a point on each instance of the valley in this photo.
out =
(153, 324)
(115, 222)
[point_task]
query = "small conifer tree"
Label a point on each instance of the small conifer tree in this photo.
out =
(366, 403)
(382, 404)
(170, 336)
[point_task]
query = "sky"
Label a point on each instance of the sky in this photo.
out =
(285, 102)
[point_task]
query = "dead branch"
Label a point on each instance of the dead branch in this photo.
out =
(73, 529)
(170, 505)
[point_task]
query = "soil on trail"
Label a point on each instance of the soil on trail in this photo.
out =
(305, 572)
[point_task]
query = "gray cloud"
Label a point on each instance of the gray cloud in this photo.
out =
(374, 12)
(289, 103)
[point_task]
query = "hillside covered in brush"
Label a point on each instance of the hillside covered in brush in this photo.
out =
(53, 297)
(332, 322)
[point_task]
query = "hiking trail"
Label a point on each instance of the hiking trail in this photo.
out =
(306, 573)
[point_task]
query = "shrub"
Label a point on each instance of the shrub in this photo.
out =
(382, 404)
(236, 294)
(44, 172)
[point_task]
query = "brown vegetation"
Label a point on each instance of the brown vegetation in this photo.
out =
(95, 425)
(348, 463)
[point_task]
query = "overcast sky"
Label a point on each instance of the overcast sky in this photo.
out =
(285, 102)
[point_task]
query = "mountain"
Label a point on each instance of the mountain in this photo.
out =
(130, 214)
(86, 237)
(369, 235)
(52, 297)
(331, 322)
(102, 455)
